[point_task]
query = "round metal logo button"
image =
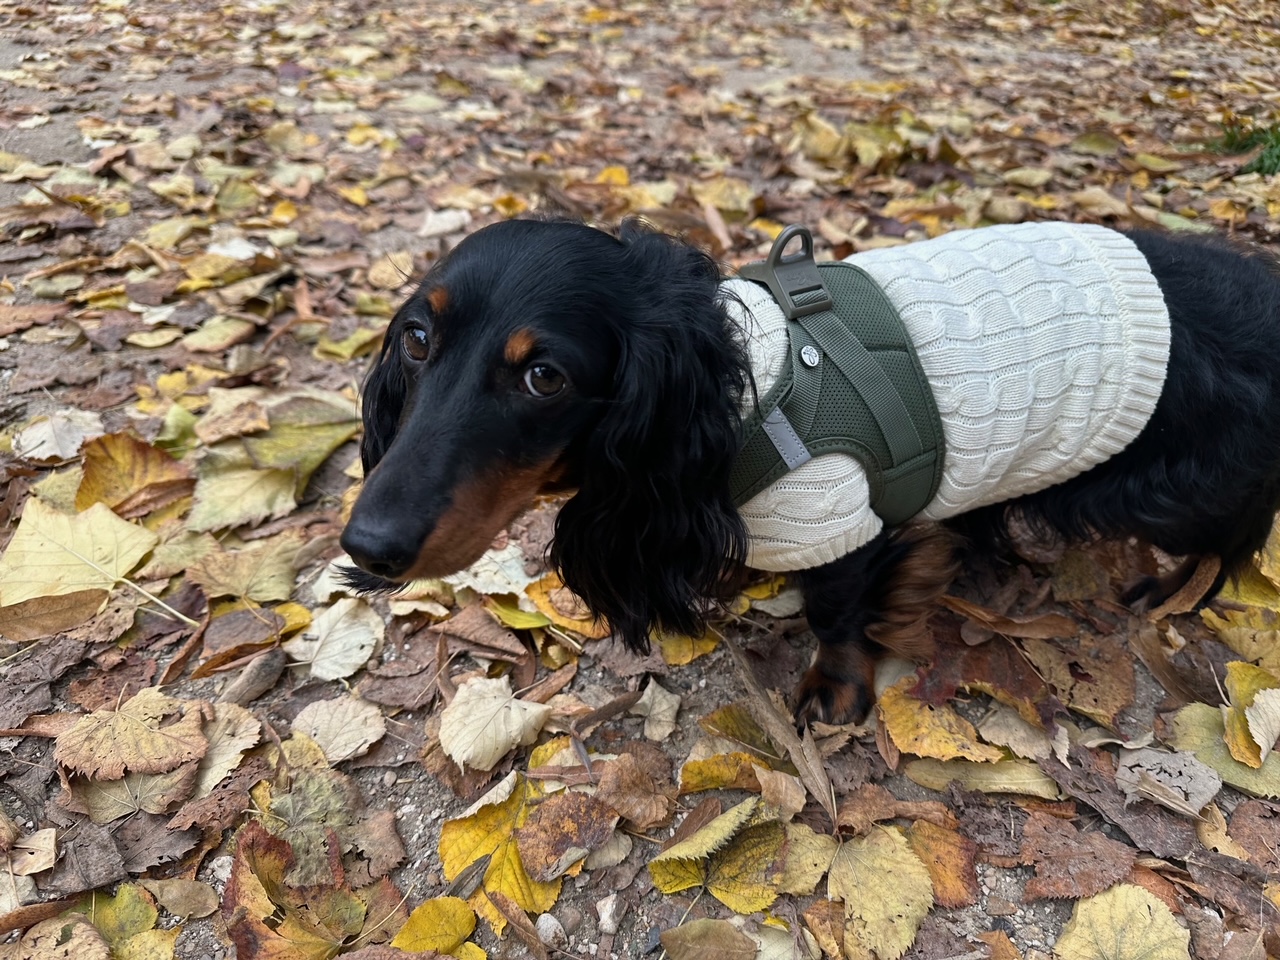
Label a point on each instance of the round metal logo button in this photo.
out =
(811, 355)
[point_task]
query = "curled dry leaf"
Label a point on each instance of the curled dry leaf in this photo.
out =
(486, 720)
(1177, 781)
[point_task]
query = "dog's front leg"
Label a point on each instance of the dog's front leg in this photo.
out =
(875, 599)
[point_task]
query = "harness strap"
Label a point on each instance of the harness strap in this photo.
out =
(851, 383)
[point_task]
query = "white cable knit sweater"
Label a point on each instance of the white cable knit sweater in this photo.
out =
(1045, 345)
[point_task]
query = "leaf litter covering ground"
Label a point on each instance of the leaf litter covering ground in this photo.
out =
(209, 214)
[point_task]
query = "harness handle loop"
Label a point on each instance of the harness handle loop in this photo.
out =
(794, 281)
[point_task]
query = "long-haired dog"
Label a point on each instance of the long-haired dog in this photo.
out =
(551, 357)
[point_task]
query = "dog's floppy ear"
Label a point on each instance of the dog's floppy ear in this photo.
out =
(383, 397)
(652, 536)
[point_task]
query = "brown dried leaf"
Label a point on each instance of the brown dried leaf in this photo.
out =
(561, 831)
(150, 733)
(1068, 863)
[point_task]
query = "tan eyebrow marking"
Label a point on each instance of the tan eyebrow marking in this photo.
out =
(519, 346)
(439, 299)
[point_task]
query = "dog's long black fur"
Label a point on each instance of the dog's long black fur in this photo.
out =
(646, 425)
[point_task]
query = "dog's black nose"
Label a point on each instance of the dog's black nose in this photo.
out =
(378, 551)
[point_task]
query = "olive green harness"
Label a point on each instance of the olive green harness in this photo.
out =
(851, 383)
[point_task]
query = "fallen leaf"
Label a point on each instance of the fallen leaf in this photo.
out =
(135, 737)
(703, 939)
(1123, 923)
(1069, 863)
(1177, 781)
(344, 728)
(948, 856)
(130, 476)
(440, 924)
(930, 731)
(485, 720)
(73, 557)
(561, 831)
(340, 641)
(886, 891)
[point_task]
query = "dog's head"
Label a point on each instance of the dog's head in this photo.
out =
(549, 356)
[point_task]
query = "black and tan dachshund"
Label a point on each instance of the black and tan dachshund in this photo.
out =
(551, 357)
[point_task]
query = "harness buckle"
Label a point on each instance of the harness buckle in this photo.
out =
(794, 281)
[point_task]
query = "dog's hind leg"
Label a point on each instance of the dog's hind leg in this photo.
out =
(869, 601)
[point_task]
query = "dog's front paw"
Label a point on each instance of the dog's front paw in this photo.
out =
(827, 699)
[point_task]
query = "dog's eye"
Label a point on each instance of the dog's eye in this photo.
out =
(416, 345)
(543, 381)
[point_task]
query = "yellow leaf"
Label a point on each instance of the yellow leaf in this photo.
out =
(154, 338)
(819, 140)
(681, 650)
(614, 175)
(284, 212)
(1211, 830)
(489, 829)
(261, 571)
(512, 616)
(440, 924)
(61, 555)
(1097, 143)
(809, 855)
(362, 133)
(219, 333)
(1003, 776)
(1199, 728)
(215, 266)
(886, 892)
(1253, 633)
(130, 476)
(1156, 164)
(770, 228)
(131, 911)
(1244, 682)
(139, 736)
(361, 341)
(731, 194)
(148, 945)
(745, 875)
(167, 234)
(563, 608)
(930, 731)
(741, 869)
(1123, 923)
(724, 771)
(1253, 589)
(355, 194)
(509, 205)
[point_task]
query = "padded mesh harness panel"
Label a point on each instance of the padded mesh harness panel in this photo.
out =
(866, 397)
